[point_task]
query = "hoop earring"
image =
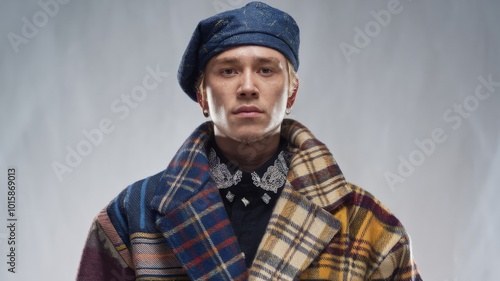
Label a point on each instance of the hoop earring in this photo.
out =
(205, 113)
(288, 111)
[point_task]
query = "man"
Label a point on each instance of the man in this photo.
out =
(250, 194)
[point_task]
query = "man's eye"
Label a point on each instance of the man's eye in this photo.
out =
(266, 70)
(228, 71)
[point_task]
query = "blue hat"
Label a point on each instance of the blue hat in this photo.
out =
(254, 24)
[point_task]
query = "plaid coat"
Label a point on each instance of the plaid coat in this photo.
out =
(173, 225)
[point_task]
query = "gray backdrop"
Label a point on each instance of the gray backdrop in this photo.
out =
(404, 93)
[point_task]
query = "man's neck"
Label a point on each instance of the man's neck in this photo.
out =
(248, 156)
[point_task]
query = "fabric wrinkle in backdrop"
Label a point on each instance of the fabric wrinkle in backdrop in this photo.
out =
(404, 93)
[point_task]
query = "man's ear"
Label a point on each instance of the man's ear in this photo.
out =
(201, 100)
(293, 94)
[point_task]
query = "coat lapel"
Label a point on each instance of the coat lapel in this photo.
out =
(300, 227)
(202, 239)
(192, 218)
(297, 233)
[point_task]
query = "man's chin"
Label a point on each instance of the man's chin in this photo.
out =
(249, 134)
(261, 138)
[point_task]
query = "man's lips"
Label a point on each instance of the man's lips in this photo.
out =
(247, 111)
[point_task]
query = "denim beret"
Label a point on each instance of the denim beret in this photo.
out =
(254, 24)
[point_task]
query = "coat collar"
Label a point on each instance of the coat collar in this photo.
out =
(192, 218)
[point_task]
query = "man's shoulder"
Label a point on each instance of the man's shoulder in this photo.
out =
(366, 209)
(134, 199)
(130, 211)
(366, 221)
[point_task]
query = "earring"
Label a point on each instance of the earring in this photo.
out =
(288, 111)
(205, 113)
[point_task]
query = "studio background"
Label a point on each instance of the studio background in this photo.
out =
(406, 94)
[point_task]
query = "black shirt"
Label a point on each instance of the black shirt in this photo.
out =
(249, 197)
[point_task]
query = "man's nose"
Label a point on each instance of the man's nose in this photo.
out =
(248, 87)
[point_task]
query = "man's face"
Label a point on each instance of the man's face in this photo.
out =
(247, 91)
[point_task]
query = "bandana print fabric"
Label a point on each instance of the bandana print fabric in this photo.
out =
(249, 197)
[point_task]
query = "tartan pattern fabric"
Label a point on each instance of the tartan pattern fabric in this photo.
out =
(173, 225)
(297, 233)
